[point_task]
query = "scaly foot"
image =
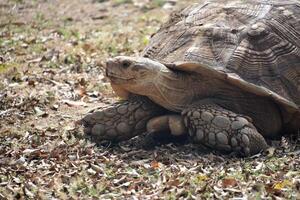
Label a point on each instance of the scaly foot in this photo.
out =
(122, 120)
(222, 129)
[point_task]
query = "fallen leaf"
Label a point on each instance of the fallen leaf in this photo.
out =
(270, 189)
(202, 177)
(54, 107)
(155, 164)
(96, 168)
(36, 60)
(28, 193)
(74, 103)
(270, 151)
(91, 171)
(39, 112)
(175, 183)
(81, 91)
(282, 184)
(229, 182)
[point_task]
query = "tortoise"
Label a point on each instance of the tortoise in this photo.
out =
(225, 73)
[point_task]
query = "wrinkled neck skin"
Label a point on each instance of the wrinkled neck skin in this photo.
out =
(172, 89)
(168, 89)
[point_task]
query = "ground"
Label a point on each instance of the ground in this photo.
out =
(51, 66)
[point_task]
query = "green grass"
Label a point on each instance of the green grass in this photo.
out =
(158, 3)
(7, 66)
(68, 34)
(119, 2)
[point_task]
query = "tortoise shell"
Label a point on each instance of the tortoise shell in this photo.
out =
(254, 43)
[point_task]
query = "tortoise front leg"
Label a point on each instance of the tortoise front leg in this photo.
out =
(122, 120)
(222, 129)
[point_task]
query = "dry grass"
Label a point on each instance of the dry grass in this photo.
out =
(51, 67)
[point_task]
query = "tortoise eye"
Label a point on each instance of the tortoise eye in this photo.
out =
(126, 64)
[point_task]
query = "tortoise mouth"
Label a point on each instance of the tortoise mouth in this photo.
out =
(115, 77)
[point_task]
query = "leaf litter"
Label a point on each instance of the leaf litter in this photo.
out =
(52, 72)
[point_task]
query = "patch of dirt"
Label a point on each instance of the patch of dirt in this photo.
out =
(52, 56)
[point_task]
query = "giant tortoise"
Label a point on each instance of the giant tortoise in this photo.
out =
(227, 73)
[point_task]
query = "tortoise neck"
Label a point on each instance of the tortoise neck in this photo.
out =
(169, 89)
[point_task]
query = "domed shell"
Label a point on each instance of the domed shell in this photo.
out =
(254, 44)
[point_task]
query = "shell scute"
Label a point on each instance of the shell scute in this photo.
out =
(257, 43)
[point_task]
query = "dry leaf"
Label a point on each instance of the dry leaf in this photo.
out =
(155, 164)
(229, 182)
(174, 183)
(74, 103)
(282, 184)
(270, 151)
(270, 189)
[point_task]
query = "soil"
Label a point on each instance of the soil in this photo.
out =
(52, 56)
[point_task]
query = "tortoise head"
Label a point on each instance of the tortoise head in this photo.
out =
(133, 74)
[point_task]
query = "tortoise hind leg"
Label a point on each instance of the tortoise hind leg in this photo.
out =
(164, 129)
(171, 122)
(222, 129)
(120, 121)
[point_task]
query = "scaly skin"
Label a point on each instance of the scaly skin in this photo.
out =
(122, 120)
(224, 130)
